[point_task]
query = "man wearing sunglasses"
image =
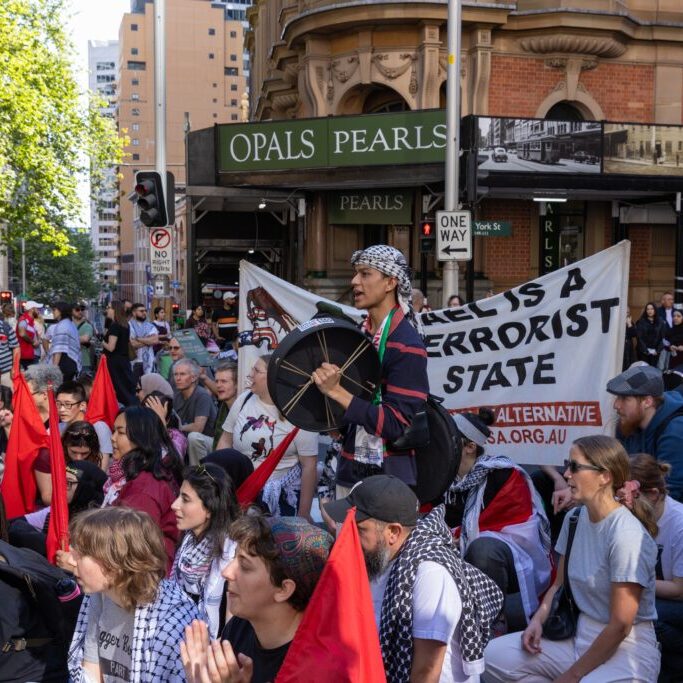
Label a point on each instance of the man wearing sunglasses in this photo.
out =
(650, 419)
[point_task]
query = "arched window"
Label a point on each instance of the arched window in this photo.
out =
(564, 111)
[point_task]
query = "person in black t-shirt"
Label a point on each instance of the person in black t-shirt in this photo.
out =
(270, 581)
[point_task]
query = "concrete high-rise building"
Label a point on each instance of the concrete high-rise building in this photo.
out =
(104, 209)
(205, 81)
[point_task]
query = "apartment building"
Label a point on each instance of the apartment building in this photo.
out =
(205, 82)
(103, 57)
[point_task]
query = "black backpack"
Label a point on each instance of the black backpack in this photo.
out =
(35, 626)
(437, 443)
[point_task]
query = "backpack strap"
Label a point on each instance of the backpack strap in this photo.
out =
(244, 403)
(662, 427)
(573, 521)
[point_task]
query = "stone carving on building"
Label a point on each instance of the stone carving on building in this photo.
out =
(600, 46)
(344, 68)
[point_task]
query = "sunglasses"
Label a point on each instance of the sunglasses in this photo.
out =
(574, 467)
(201, 471)
(173, 347)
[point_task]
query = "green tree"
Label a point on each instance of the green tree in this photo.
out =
(69, 277)
(49, 139)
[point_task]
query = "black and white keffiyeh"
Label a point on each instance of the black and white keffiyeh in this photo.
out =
(482, 600)
(158, 628)
(392, 262)
(192, 563)
(474, 484)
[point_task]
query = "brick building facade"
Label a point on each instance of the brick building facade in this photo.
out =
(591, 60)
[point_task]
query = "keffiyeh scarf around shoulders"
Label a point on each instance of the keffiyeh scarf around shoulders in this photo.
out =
(158, 627)
(474, 484)
(482, 600)
(192, 564)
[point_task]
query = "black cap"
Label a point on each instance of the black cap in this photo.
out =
(639, 380)
(381, 497)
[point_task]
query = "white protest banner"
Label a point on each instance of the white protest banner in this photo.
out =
(269, 308)
(539, 354)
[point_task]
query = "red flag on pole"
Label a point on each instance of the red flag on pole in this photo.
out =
(102, 404)
(254, 483)
(338, 637)
(58, 527)
(26, 437)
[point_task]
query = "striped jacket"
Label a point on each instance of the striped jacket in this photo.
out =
(404, 388)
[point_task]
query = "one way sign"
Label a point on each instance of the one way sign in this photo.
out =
(453, 235)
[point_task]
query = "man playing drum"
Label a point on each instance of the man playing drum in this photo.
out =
(381, 286)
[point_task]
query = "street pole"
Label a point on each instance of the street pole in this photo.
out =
(160, 104)
(451, 200)
(678, 268)
(23, 266)
(160, 89)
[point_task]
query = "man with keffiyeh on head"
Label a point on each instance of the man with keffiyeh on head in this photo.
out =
(381, 286)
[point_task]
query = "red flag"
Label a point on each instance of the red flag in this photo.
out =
(102, 404)
(337, 637)
(26, 437)
(58, 528)
(253, 484)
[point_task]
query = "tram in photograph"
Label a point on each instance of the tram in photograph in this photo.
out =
(547, 150)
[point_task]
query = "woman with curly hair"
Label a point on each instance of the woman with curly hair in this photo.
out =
(204, 510)
(132, 618)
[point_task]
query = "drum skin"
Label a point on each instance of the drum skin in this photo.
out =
(306, 348)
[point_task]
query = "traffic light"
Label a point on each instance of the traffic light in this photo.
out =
(427, 236)
(6, 297)
(155, 211)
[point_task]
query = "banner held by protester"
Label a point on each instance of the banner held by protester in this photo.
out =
(539, 354)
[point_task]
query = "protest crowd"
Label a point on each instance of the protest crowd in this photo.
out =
(158, 524)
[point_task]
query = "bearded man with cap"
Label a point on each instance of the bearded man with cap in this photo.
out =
(650, 419)
(433, 610)
(381, 286)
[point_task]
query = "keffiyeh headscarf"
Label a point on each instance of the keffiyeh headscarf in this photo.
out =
(391, 262)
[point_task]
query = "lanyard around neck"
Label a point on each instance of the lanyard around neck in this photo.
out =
(377, 398)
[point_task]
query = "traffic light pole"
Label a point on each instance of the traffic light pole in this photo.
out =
(160, 89)
(160, 107)
(451, 202)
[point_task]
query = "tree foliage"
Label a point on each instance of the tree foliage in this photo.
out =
(69, 277)
(49, 137)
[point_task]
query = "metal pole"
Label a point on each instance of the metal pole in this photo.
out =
(23, 266)
(616, 227)
(160, 89)
(678, 275)
(160, 106)
(451, 200)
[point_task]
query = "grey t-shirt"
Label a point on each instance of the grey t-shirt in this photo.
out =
(108, 639)
(199, 404)
(617, 549)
